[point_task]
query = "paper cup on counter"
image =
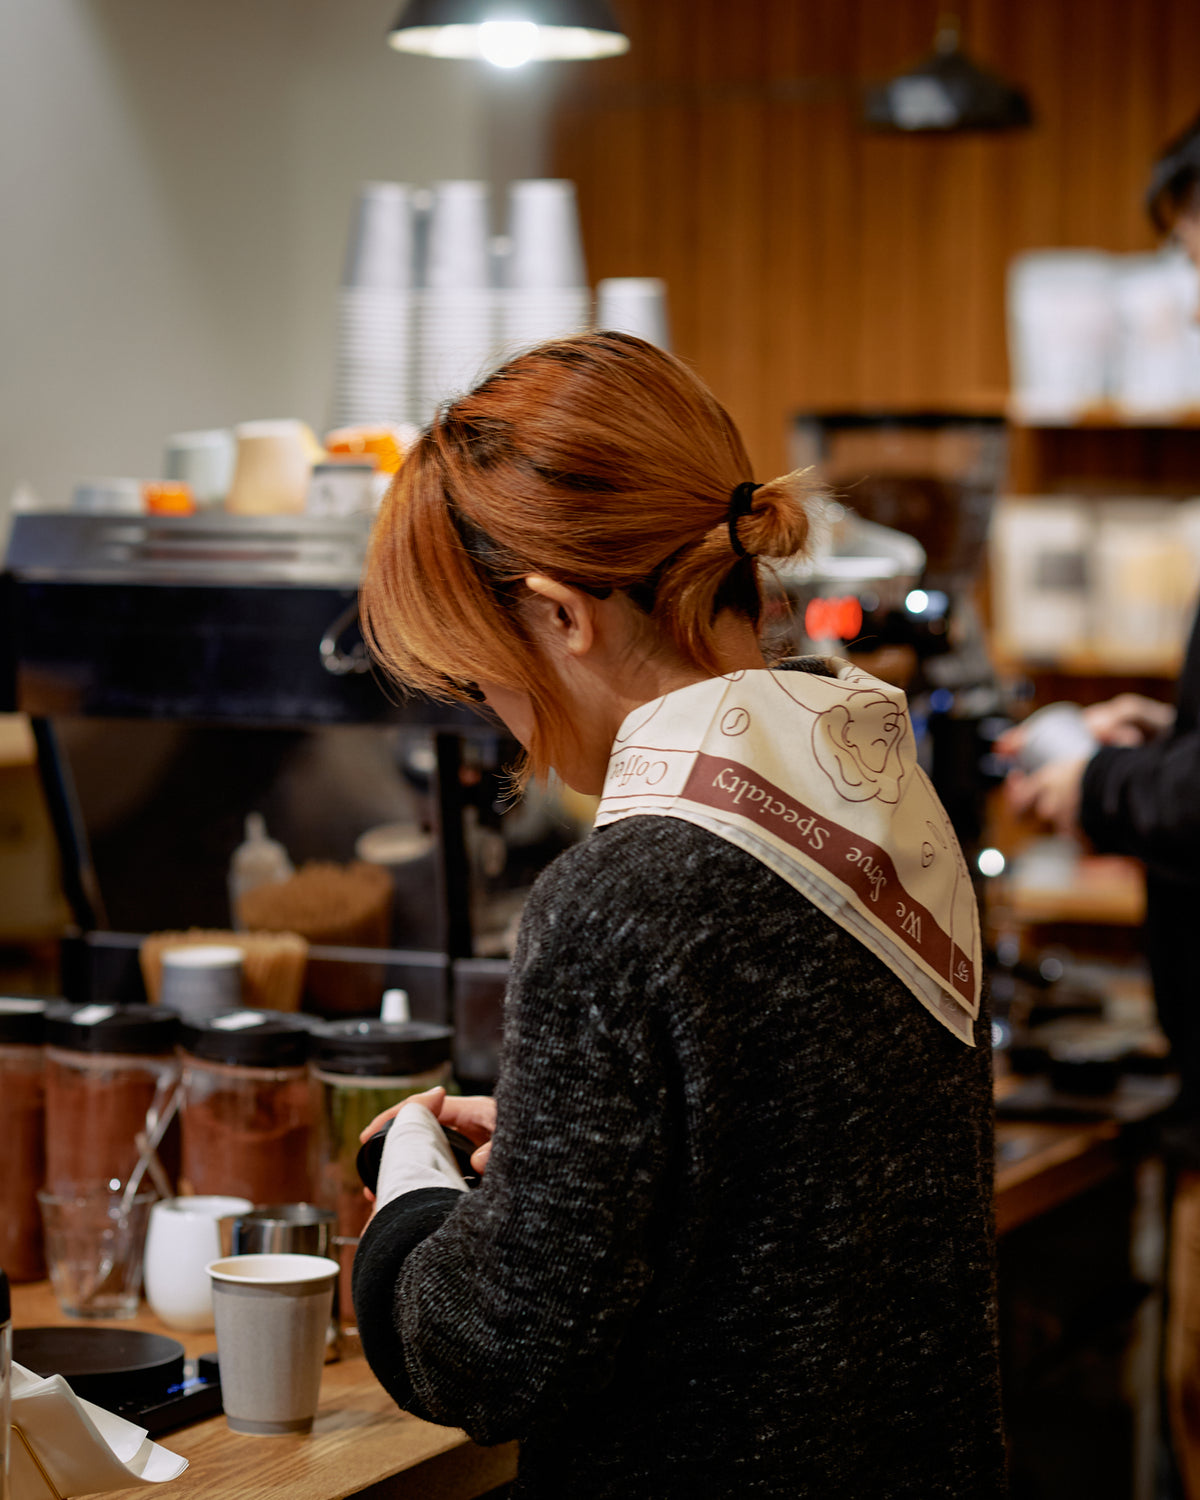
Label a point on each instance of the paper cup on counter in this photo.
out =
(272, 1312)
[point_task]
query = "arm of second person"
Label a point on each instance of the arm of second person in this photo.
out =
(1145, 801)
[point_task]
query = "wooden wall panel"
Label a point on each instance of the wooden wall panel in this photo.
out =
(812, 264)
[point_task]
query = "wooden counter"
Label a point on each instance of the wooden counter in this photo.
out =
(1041, 1163)
(361, 1444)
(1052, 1163)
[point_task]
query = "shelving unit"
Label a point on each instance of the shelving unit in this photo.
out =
(1101, 457)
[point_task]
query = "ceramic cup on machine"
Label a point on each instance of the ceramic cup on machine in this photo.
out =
(108, 497)
(272, 1313)
(272, 470)
(201, 982)
(634, 304)
(203, 461)
(185, 1234)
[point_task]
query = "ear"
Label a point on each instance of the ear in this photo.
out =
(567, 616)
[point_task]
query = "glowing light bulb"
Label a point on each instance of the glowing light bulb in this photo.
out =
(508, 44)
(916, 601)
(990, 862)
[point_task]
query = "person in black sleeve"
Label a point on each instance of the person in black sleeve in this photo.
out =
(734, 1231)
(1139, 795)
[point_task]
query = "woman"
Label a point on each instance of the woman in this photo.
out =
(733, 1237)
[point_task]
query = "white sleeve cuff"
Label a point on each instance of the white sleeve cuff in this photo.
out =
(415, 1155)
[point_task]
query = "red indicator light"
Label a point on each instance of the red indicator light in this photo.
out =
(833, 619)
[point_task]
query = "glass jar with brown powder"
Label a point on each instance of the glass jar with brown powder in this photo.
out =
(110, 1069)
(22, 1128)
(249, 1108)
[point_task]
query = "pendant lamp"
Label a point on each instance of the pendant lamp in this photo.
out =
(509, 32)
(945, 93)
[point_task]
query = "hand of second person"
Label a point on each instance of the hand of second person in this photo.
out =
(1128, 719)
(1050, 794)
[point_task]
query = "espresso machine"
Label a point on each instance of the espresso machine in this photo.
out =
(892, 577)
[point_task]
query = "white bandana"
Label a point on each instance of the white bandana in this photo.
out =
(818, 778)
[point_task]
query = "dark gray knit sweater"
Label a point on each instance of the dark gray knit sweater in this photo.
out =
(735, 1235)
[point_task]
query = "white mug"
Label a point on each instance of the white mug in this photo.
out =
(203, 461)
(185, 1234)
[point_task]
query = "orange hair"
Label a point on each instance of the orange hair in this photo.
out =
(600, 461)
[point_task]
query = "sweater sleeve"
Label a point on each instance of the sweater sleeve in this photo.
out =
(1145, 801)
(498, 1311)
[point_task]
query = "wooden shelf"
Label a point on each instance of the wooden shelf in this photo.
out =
(1106, 890)
(1087, 664)
(1103, 419)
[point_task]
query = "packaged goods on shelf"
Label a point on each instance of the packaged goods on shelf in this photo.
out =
(1090, 332)
(1107, 585)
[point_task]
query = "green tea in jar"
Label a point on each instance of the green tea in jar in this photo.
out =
(365, 1067)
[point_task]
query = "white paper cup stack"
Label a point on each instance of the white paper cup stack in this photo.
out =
(547, 295)
(634, 304)
(373, 383)
(456, 334)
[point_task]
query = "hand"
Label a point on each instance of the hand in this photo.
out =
(1051, 794)
(1128, 719)
(474, 1117)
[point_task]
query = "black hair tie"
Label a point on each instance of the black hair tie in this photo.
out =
(740, 504)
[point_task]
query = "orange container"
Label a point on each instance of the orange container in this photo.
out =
(168, 497)
(383, 446)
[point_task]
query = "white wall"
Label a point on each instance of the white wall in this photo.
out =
(176, 182)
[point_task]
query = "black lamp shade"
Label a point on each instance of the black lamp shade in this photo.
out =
(570, 28)
(946, 93)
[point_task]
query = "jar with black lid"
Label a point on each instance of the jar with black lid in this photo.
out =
(111, 1071)
(364, 1067)
(22, 1130)
(250, 1111)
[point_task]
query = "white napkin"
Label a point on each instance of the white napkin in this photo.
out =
(415, 1155)
(80, 1449)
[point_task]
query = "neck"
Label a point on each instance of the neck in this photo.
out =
(624, 669)
(738, 650)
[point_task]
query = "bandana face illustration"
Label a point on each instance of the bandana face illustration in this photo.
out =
(817, 777)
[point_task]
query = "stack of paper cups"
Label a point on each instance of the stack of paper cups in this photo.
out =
(547, 295)
(455, 326)
(634, 304)
(374, 336)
